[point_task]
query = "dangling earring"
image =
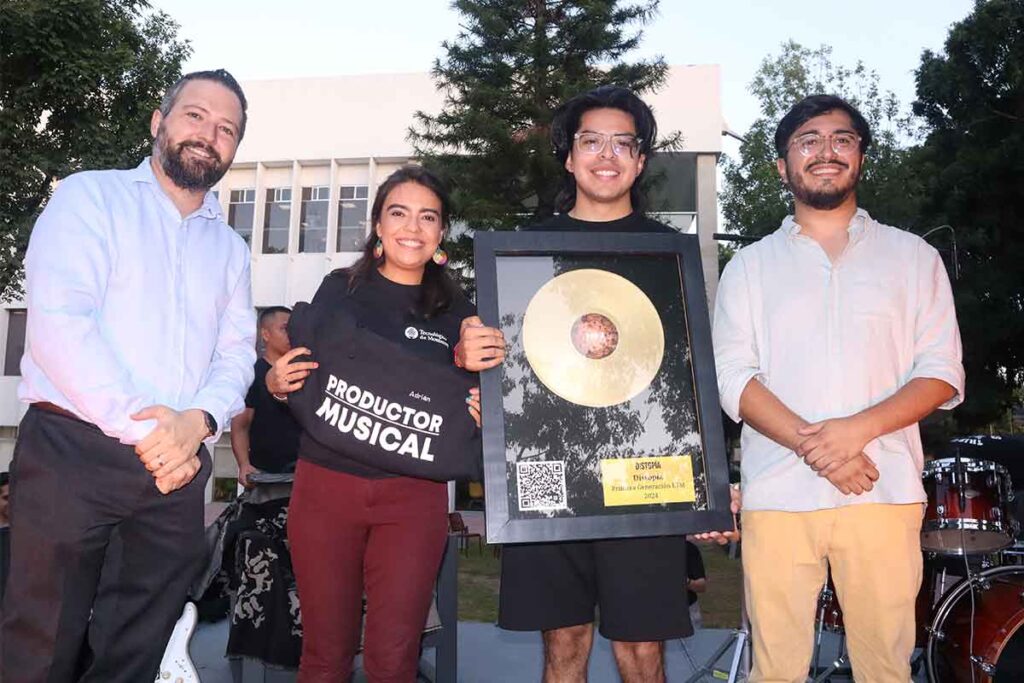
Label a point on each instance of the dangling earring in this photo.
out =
(378, 249)
(440, 256)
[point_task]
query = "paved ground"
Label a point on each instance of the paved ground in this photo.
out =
(490, 655)
(486, 655)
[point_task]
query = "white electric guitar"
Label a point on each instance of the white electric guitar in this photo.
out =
(177, 666)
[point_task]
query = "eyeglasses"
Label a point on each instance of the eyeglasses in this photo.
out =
(623, 144)
(812, 144)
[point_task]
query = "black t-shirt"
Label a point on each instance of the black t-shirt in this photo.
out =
(274, 434)
(634, 222)
(387, 309)
(694, 567)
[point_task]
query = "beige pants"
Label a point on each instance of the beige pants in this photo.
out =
(875, 555)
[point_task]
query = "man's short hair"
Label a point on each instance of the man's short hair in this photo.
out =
(816, 105)
(566, 123)
(221, 76)
(270, 311)
(5, 478)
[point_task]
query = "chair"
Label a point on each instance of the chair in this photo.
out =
(457, 527)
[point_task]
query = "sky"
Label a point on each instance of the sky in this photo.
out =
(257, 39)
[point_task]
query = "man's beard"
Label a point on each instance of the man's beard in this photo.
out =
(189, 174)
(825, 199)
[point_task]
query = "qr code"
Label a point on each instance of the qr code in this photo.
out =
(541, 485)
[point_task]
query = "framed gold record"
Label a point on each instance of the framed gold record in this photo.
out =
(603, 420)
(593, 337)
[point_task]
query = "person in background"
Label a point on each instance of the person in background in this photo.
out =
(265, 436)
(696, 582)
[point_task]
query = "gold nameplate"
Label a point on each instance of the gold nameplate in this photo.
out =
(647, 481)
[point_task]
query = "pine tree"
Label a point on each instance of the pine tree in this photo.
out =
(511, 65)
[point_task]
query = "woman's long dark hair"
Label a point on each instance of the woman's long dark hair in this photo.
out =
(437, 289)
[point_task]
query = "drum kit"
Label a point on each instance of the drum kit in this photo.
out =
(970, 608)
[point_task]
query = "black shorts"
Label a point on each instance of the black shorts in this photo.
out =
(638, 585)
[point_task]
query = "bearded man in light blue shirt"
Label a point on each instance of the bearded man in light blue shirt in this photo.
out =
(140, 345)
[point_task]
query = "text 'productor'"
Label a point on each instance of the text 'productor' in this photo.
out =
(378, 421)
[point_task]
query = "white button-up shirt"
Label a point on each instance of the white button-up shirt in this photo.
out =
(130, 305)
(831, 339)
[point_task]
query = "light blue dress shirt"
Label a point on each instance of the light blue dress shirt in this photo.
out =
(131, 305)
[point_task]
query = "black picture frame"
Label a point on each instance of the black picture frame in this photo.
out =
(490, 248)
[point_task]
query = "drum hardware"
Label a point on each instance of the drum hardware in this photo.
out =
(829, 619)
(983, 664)
(962, 484)
(839, 664)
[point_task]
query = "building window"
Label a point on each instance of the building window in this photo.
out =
(352, 217)
(241, 211)
(276, 220)
(313, 220)
(16, 320)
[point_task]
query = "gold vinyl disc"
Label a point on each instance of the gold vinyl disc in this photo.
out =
(593, 337)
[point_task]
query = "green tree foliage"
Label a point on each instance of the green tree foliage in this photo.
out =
(78, 81)
(754, 201)
(511, 65)
(971, 97)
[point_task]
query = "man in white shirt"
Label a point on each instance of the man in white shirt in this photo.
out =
(140, 344)
(834, 336)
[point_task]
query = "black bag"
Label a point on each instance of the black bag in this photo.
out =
(379, 404)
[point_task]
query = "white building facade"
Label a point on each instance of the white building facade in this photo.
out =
(315, 149)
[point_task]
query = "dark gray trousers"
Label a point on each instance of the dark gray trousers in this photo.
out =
(100, 559)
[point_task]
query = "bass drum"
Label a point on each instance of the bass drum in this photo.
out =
(976, 635)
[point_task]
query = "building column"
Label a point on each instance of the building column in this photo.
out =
(296, 211)
(707, 221)
(259, 210)
(332, 210)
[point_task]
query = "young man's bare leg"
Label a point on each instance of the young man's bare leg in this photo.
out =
(566, 653)
(642, 662)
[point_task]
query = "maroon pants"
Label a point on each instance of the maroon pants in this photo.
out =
(350, 535)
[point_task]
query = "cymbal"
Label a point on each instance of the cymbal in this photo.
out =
(593, 337)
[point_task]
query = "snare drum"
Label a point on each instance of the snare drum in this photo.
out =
(993, 619)
(968, 507)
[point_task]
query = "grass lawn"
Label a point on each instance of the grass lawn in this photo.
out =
(479, 578)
